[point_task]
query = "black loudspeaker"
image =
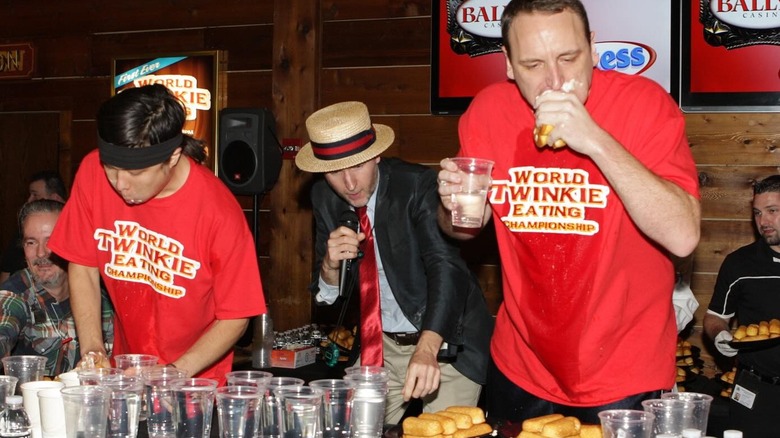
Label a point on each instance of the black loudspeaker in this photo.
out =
(250, 156)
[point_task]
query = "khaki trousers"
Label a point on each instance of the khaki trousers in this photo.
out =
(455, 389)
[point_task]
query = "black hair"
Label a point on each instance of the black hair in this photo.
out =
(144, 116)
(768, 184)
(516, 7)
(53, 182)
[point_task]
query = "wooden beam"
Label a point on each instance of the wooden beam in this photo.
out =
(295, 66)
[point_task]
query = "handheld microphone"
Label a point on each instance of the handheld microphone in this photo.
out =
(350, 220)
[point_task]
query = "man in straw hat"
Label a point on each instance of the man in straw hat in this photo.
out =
(428, 297)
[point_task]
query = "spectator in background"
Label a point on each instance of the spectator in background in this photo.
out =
(748, 289)
(35, 314)
(46, 184)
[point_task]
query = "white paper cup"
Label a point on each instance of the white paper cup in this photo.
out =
(71, 378)
(52, 413)
(31, 405)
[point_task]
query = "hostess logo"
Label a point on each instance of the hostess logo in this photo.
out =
(481, 17)
(749, 14)
(624, 56)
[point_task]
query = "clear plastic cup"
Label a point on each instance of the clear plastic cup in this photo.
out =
(248, 377)
(94, 376)
(86, 411)
(468, 205)
(125, 405)
(337, 397)
(368, 403)
(193, 404)
(24, 368)
(159, 400)
(238, 411)
(7, 387)
(700, 412)
(300, 408)
(626, 423)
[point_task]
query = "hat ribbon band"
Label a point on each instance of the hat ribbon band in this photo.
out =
(344, 148)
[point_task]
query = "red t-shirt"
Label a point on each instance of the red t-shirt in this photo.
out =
(172, 266)
(587, 316)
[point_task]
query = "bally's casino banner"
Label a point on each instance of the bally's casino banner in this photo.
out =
(195, 78)
(632, 36)
(730, 56)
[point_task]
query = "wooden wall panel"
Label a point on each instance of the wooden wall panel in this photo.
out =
(250, 47)
(249, 89)
(719, 238)
(391, 90)
(734, 139)
(727, 191)
(377, 42)
(361, 9)
(82, 95)
(106, 47)
(43, 17)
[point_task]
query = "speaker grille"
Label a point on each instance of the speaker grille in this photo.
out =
(239, 162)
(250, 157)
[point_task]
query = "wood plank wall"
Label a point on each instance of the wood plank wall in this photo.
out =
(297, 56)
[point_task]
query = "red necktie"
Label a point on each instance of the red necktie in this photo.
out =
(370, 318)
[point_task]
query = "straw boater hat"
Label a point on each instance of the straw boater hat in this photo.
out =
(342, 136)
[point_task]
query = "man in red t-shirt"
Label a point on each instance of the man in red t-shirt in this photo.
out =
(167, 237)
(584, 219)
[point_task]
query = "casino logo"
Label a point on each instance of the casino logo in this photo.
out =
(740, 23)
(625, 56)
(764, 14)
(481, 17)
(474, 26)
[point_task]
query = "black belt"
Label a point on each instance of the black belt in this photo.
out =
(760, 377)
(404, 339)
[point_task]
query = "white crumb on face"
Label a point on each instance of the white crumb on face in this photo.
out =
(569, 85)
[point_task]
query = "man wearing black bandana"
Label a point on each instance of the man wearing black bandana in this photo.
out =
(167, 237)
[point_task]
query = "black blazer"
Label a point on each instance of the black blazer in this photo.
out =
(431, 282)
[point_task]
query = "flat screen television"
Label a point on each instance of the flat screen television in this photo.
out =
(633, 36)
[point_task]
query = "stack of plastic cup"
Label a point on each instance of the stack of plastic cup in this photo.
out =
(159, 400)
(368, 400)
(124, 405)
(699, 408)
(336, 406)
(270, 412)
(193, 404)
(135, 364)
(670, 415)
(300, 408)
(238, 410)
(86, 411)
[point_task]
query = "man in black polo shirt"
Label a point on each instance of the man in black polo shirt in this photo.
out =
(748, 288)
